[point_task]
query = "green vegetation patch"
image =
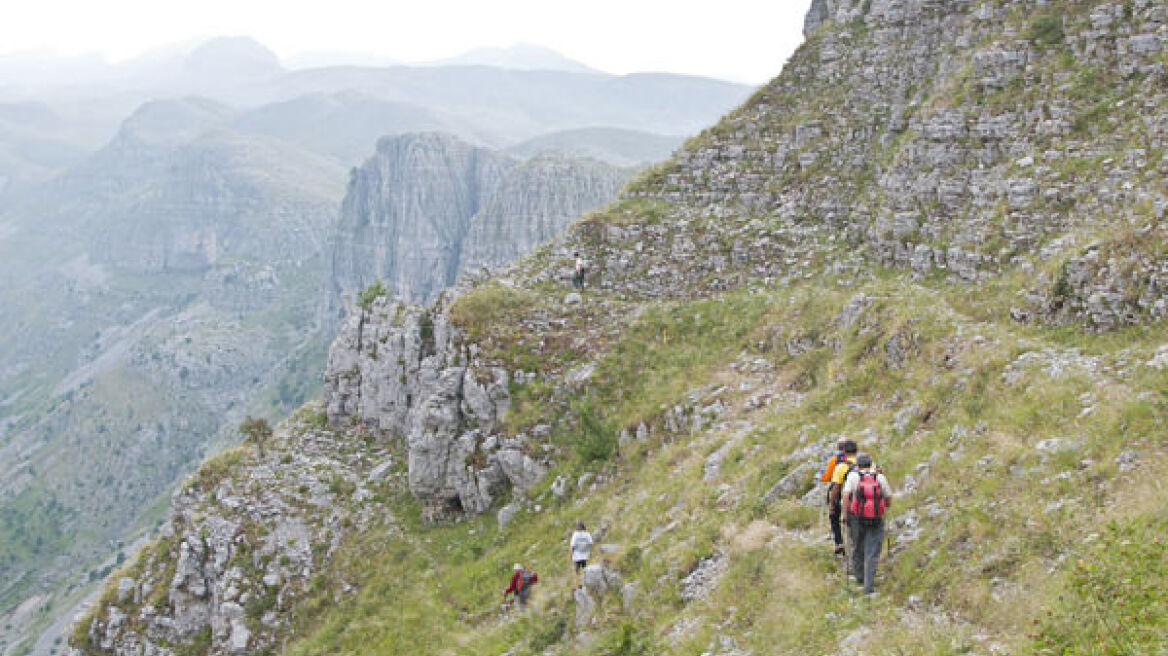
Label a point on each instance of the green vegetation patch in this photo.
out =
(1115, 602)
(371, 293)
(1046, 31)
(492, 308)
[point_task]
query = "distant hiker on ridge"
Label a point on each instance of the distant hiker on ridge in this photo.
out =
(840, 465)
(866, 496)
(581, 269)
(521, 582)
(580, 547)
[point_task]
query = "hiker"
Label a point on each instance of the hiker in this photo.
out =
(866, 496)
(840, 465)
(521, 582)
(580, 546)
(581, 269)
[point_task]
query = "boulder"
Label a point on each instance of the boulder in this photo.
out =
(791, 485)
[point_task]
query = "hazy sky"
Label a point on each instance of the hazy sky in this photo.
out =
(742, 39)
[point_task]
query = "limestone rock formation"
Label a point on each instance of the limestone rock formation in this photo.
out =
(405, 370)
(533, 204)
(428, 206)
(245, 537)
(962, 145)
(407, 211)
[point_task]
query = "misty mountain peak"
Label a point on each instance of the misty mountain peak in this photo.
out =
(235, 57)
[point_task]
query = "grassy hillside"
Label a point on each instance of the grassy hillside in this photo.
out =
(1022, 509)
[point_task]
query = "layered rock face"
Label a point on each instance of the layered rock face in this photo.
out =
(407, 211)
(965, 143)
(533, 204)
(954, 140)
(406, 371)
(428, 206)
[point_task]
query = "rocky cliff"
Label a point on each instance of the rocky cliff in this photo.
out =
(959, 138)
(160, 289)
(428, 206)
(533, 204)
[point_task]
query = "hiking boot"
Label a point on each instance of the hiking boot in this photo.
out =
(839, 550)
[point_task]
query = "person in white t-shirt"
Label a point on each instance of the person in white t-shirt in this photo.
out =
(866, 497)
(580, 272)
(580, 546)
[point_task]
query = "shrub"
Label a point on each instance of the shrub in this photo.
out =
(1047, 31)
(627, 640)
(595, 440)
(371, 293)
(257, 432)
(1062, 292)
(551, 633)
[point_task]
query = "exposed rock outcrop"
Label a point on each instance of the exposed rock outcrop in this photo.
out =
(246, 536)
(405, 370)
(407, 211)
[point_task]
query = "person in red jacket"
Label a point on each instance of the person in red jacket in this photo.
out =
(521, 582)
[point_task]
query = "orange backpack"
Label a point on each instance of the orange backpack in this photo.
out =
(828, 470)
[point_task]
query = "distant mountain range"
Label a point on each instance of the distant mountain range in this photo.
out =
(55, 110)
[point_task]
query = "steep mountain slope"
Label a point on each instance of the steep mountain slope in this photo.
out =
(940, 232)
(165, 283)
(428, 206)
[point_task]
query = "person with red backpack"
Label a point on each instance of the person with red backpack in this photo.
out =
(521, 582)
(866, 496)
(834, 472)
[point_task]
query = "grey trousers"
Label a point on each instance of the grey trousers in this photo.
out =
(866, 543)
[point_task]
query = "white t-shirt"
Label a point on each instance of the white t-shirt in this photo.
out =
(581, 545)
(853, 480)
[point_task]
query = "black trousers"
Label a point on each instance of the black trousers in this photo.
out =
(834, 513)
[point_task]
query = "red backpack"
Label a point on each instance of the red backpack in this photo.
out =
(868, 499)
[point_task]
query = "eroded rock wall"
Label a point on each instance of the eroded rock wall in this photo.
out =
(405, 371)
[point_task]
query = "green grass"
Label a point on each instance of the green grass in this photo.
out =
(993, 560)
(1114, 605)
(491, 307)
